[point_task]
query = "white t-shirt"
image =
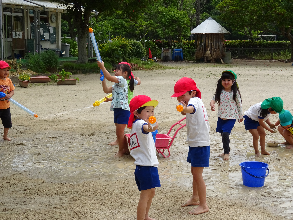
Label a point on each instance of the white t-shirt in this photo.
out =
(142, 145)
(228, 108)
(254, 112)
(197, 124)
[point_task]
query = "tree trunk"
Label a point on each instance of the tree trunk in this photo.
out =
(197, 12)
(82, 50)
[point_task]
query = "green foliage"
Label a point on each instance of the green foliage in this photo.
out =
(50, 60)
(64, 74)
(53, 77)
(77, 68)
(121, 49)
(24, 77)
(257, 44)
(44, 62)
(73, 50)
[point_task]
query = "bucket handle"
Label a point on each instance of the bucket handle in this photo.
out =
(257, 176)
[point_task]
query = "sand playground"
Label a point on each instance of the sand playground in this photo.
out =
(60, 166)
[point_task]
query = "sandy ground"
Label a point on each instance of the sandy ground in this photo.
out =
(60, 166)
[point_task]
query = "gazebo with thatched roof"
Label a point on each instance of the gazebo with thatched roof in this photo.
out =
(209, 40)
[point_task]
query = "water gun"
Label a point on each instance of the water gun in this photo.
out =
(152, 120)
(98, 102)
(2, 95)
(95, 45)
(179, 107)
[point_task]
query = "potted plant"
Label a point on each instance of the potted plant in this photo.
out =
(23, 79)
(64, 78)
(53, 77)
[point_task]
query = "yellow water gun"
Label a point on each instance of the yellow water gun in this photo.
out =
(99, 102)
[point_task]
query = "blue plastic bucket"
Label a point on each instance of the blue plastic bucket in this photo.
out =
(254, 173)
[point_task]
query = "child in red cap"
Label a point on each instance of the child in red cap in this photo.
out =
(7, 87)
(143, 150)
(198, 139)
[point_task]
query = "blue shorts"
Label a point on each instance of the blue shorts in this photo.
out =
(250, 123)
(199, 156)
(6, 118)
(225, 125)
(121, 116)
(146, 177)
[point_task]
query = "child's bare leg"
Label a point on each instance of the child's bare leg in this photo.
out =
(262, 140)
(5, 136)
(194, 200)
(255, 137)
(144, 204)
(288, 137)
(123, 147)
(201, 191)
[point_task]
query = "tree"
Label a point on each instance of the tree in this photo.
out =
(252, 16)
(81, 10)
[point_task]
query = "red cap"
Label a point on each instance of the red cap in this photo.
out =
(184, 85)
(4, 65)
(137, 102)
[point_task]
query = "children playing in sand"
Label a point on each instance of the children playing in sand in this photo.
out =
(228, 98)
(143, 150)
(119, 103)
(7, 87)
(198, 139)
(256, 119)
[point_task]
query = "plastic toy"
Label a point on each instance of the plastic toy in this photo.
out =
(179, 107)
(2, 95)
(99, 102)
(96, 48)
(152, 119)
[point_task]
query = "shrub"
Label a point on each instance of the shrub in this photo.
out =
(121, 49)
(77, 68)
(44, 62)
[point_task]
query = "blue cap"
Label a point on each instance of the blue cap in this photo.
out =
(285, 118)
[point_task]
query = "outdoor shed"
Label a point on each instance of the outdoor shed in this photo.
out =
(209, 37)
(29, 26)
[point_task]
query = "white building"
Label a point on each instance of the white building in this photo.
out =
(29, 26)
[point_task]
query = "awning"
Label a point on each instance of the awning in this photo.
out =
(31, 4)
(209, 26)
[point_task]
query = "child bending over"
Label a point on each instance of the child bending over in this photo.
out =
(256, 118)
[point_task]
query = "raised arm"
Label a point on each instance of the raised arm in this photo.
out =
(106, 73)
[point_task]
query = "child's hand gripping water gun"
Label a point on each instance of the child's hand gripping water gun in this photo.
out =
(2, 95)
(95, 45)
(98, 102)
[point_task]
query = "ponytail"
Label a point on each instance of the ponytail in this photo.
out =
(131, 83)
